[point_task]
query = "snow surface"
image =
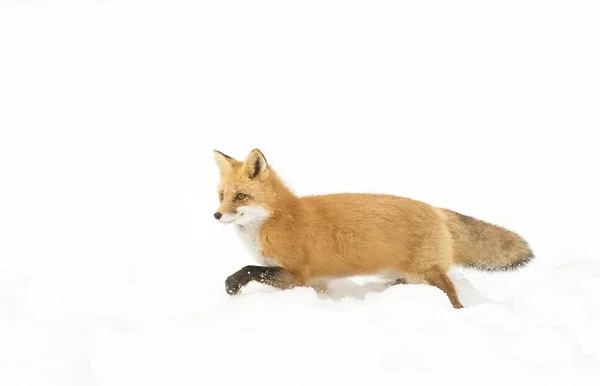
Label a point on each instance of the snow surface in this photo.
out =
(112, 267)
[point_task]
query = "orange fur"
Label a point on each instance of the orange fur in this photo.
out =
(337, 235)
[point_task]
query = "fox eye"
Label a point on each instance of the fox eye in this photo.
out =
(240, 196)
(221, 196)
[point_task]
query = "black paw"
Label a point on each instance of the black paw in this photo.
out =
(233, 285)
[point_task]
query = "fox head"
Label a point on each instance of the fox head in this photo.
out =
(246, 191)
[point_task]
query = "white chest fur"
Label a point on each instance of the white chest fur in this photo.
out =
(249, 236)
(248, 231)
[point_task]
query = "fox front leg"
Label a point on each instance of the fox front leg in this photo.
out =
(274, 276)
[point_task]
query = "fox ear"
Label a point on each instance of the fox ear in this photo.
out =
(255, 164)
(224, 162)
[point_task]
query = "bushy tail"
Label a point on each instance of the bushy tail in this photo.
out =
(485, 246)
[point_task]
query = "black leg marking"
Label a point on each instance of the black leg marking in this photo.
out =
(273, 276)
(398, 281)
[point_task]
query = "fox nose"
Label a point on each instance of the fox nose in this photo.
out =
(218, 215)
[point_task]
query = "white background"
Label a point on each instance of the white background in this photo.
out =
(112, 267)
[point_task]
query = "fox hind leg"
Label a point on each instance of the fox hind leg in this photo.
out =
(393, 277)
(438, 278)
(398, 281)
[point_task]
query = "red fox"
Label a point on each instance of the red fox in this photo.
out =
(303, 241)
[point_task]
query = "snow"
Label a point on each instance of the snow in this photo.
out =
(112, 266)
